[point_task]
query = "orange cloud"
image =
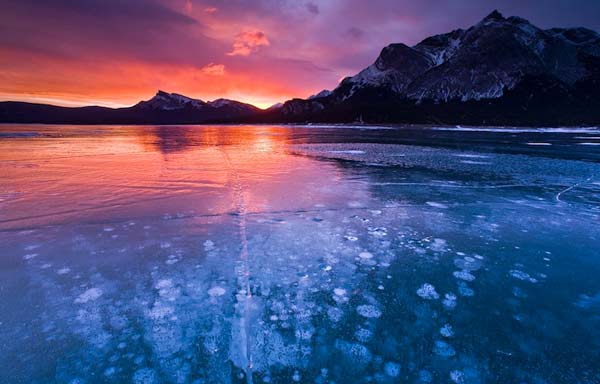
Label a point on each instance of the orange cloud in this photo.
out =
(248, 42)
(213, 69)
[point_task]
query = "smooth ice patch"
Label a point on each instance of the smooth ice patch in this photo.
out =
(89, 295)
(368, 311)
(428, 292)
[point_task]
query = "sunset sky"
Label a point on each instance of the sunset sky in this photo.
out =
(115, 53)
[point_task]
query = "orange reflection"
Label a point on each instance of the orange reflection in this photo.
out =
(78, 173)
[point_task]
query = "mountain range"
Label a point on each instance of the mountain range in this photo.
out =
(501, 71)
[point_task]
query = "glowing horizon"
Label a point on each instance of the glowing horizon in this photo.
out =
(116, 54)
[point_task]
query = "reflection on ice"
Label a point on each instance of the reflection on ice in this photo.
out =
(238, 261)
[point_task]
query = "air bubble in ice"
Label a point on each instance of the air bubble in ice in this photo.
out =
(89, 295)
(447, 331)
(428, 292)
(216, 291)
(457, 376)
(442, 348)
(436, 205)
(392, 369)
(464, 275)
(368, 311)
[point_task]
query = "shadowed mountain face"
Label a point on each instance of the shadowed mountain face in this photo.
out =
(163, 108)
(501, 71)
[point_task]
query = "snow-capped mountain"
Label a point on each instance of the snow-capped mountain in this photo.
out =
(173, 101)
(170, 101)
(495, 60)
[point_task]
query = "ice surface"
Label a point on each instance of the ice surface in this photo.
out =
(235, 254)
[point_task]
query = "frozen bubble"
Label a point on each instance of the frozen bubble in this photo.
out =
(428, 292)
(468, 264)
(30, 256)
(32, 247)
(164, 283)
(365, 255)
(335, 314)
(378, 232)
(363, 335)
(392, 369)
(339, 291)
(355, 204)
(89, 295)
(457, 377)
(110, 371)
(63, 271)
(108, 229)
(438, 245)
(368, 311)
(296, 376)
(520, 275)
(357, 353)
(464, 290)
(436, 205)
(145, 376)
(209, 245)
(327, 268)
(351, 238)
(464, 275)
(444, 349)
(216, 291)
(447, 331)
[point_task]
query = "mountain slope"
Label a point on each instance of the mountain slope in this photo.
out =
(163, 108)
(499, 71)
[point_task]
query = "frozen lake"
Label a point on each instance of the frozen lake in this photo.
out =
(273, 254)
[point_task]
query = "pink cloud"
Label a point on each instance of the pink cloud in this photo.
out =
(213, 69)
(246, 43)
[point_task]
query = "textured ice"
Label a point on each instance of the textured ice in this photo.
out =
(231, 259)
(428, 292)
